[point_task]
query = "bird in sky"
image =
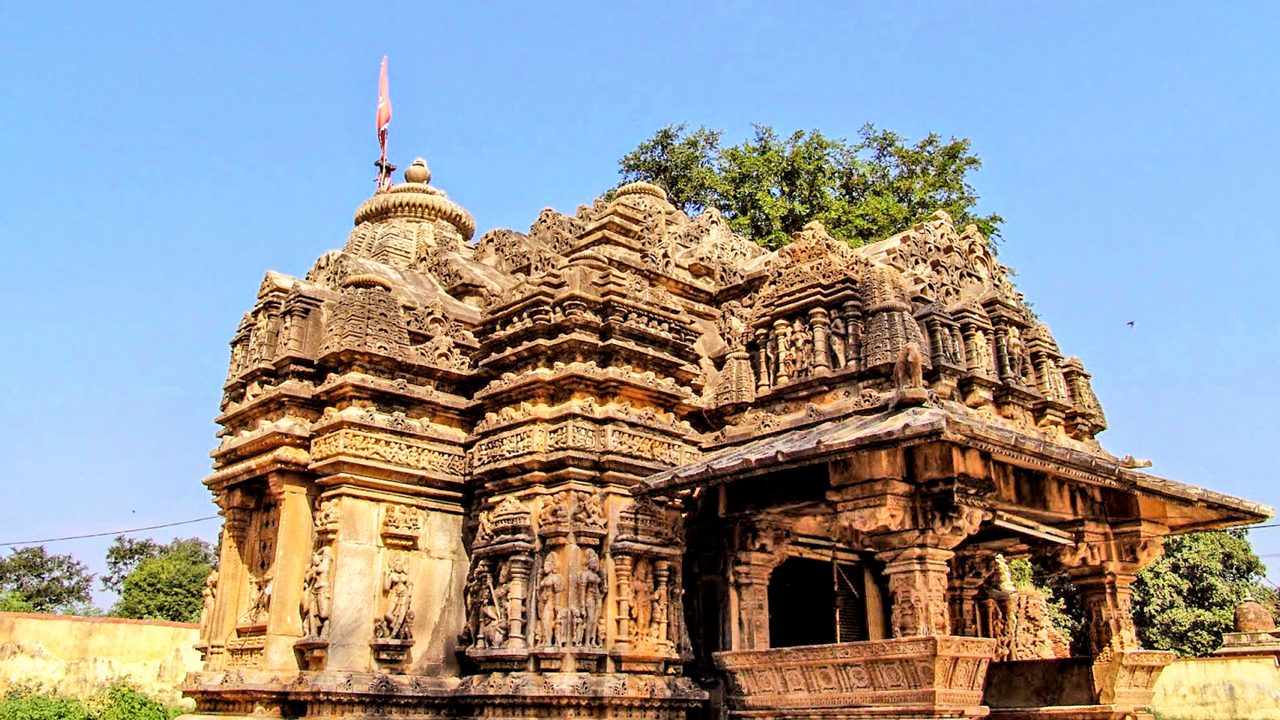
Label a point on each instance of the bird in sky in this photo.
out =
(1130, 323)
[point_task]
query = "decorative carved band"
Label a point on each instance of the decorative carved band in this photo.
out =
(388, 449)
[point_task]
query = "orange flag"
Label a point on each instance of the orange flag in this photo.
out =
(384, 108)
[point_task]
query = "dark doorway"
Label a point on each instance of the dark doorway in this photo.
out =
(802, 604)
(816, 602)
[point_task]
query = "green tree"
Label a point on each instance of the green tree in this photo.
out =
(123, 557)
(770, 186)
(168, 585)
(1186, 599)
(683, 164)
(44, 582)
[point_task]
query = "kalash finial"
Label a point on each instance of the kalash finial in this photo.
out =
(418, 172)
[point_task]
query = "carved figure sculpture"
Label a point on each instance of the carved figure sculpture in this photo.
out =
(475, 598)
(908, 371)
(804, 348)
(591, 589)
(641, 601)
(493, 626)
(1014, 349)
(396, 622)
(550, 588)
(316, 593)
(839, 351)
(260, 591)
(210, 594)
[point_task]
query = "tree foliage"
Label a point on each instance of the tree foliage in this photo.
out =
(162, 582)
(769, 186)
(33, 578)
(123, 557)
(1186, 599)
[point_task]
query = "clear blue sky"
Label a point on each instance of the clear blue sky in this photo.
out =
(157, 160)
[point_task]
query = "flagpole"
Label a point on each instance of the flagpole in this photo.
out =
(385, 169)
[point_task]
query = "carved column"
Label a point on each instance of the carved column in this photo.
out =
(520, 564)
(662, 593)
(820, 322)
(918, 579)
(751, 572)
(292, 554)
(622, 571)
(231, 578)
(1103, 565)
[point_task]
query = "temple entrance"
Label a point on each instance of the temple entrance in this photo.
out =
(815, 602)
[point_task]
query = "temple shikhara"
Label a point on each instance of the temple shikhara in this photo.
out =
(628, 464)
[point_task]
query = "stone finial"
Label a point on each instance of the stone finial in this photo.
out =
(642, 188)
(1253, 617)
(418, 172)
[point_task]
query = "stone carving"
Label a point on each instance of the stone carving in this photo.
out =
(551, 609)
(317, 593)
(591, 590)
(209, 594)
(619, 392)
(397, 588)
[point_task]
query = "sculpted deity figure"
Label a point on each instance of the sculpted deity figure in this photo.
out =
(549, 589)
(474, 597)
(1015, 350)
(642, 592)
(908, 372)
(315, 593)
(260, 592)
(210, 594)
(398, 586)
(493, 625)
(839, 352)
(590, 588)
(804, 347)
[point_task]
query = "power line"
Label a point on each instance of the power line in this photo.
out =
(105, 534)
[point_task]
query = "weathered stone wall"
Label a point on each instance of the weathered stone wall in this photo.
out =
(1219, 689)
(79, 656)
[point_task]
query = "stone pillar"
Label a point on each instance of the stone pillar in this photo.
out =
(520, 565)
(231, 579)
(292, 554)
(662, 605)
(1103, 564)
(782, 349)
(751, 572)
(918, 579)
(821, 324)
(622, 574)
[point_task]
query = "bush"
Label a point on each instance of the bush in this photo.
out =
(119, 702)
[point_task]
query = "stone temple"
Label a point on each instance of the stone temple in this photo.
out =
(631, 465)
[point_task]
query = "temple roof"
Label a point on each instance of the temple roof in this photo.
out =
(831, 441)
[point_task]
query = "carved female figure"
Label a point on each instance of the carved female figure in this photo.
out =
(399, 590)
(315, 593)
(590, 585)
(210, 594)
(549, 589)
(804, 347)
(839, 356)
(641, 601)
